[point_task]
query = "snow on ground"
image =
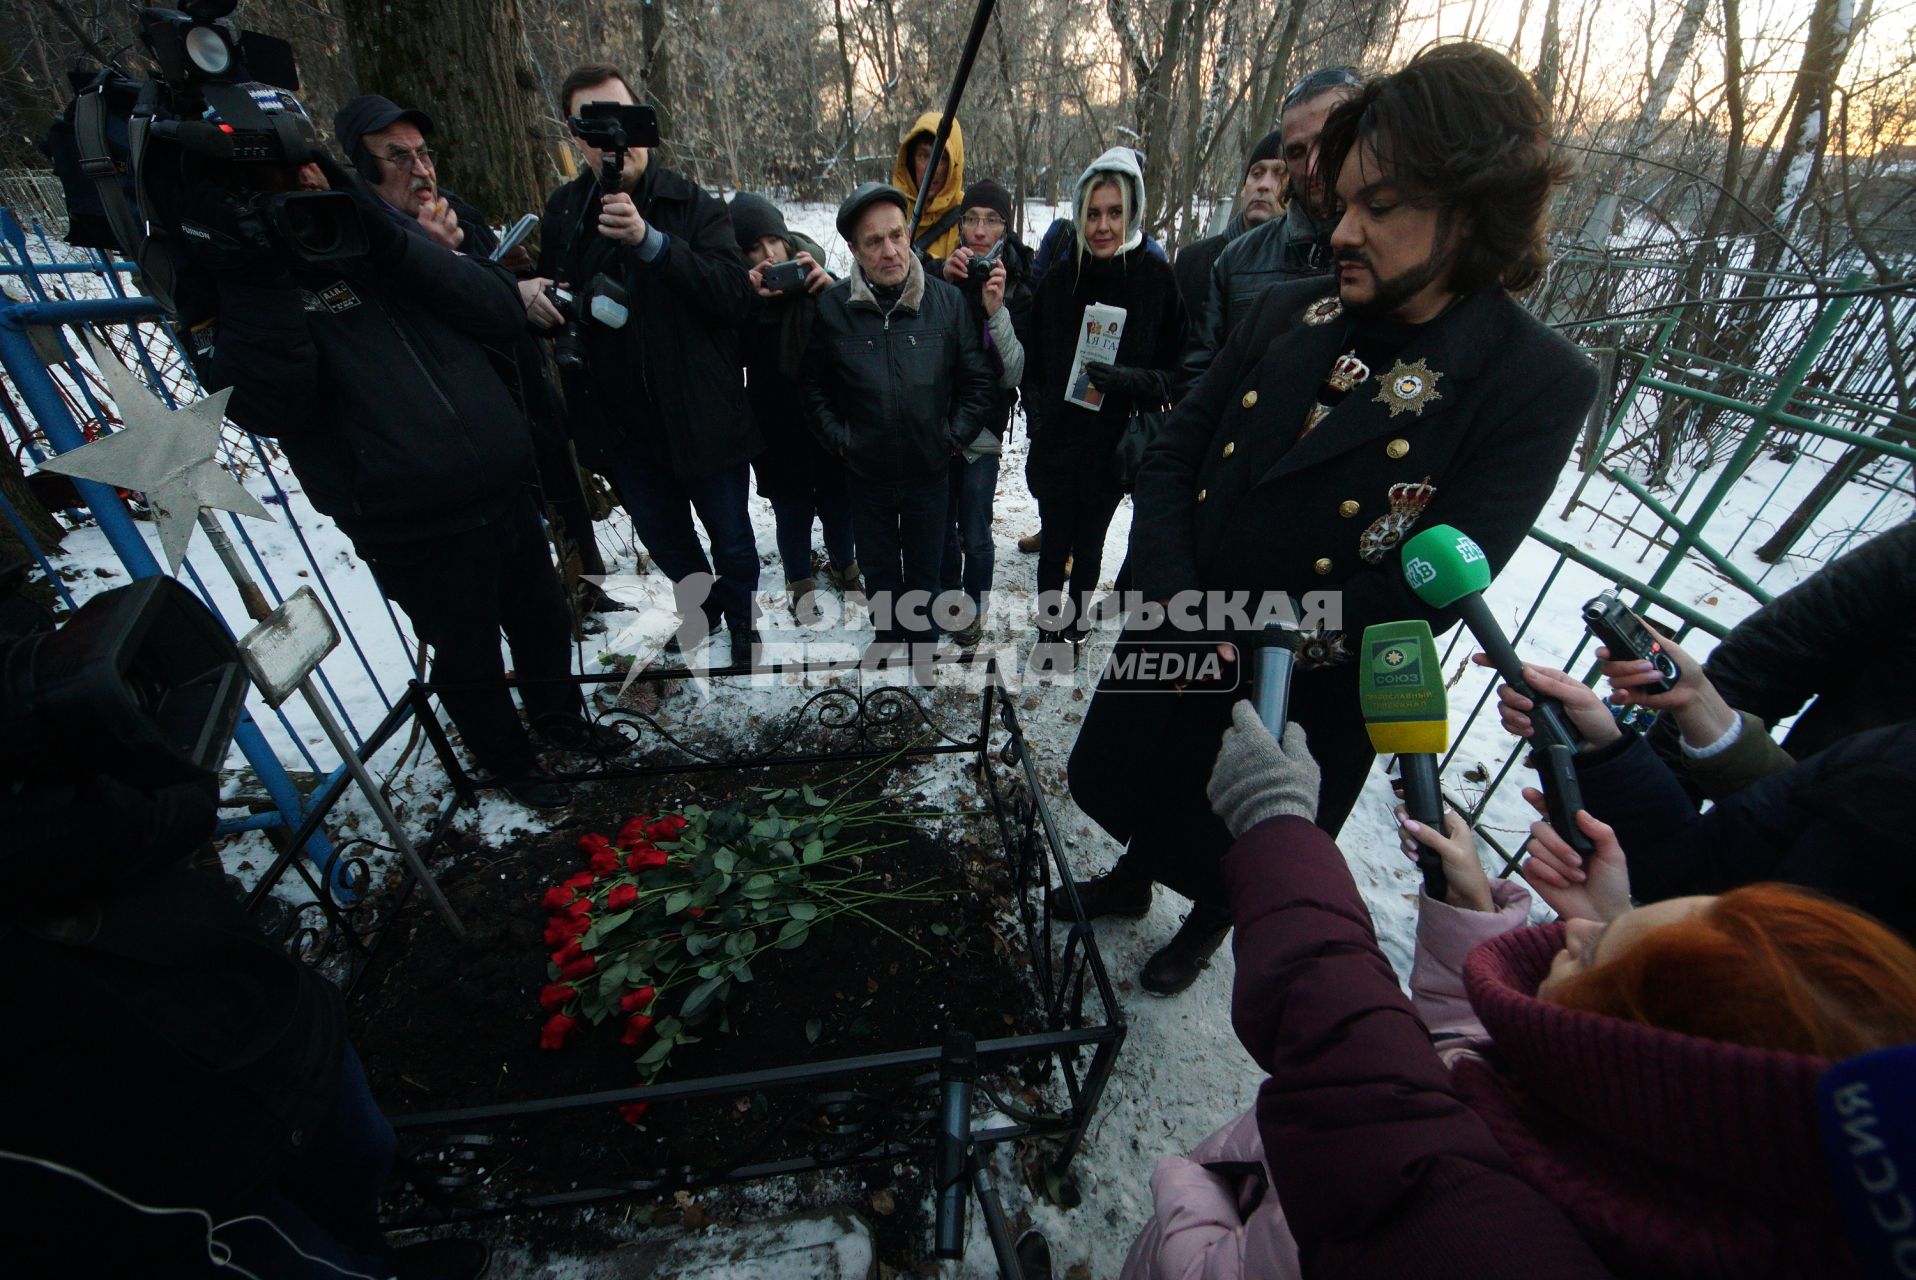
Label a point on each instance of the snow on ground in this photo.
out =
(1182, 1072)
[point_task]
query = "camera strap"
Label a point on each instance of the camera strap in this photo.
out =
(930, 235)
(97, 162)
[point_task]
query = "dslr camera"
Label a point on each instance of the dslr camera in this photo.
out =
(205, 158)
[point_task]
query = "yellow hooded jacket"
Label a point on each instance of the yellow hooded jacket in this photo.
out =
(946, 198)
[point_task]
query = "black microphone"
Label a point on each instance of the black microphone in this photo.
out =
(1447, 569)
(957, 1069)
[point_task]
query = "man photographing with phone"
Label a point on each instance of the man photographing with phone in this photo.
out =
(651, 292)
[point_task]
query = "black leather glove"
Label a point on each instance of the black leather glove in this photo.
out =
(1146, 386)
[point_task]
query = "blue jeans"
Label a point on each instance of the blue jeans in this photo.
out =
(327, 1201)
(900, 527)
(793, 516)
(661, 507)
(968, 530)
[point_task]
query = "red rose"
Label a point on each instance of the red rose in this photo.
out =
(695, 912)
(605, 862)
(632, 833)
(667, 828)
(636, 1028)
(557, 1028)
(556, 932)
(581, 881)
(566, 954)
(633, 1001)
(632, 1112)
(576, 969)
(554, 995)
(621, 897)
(557, 898)
(578, 907)
(647, 858)
(592, 842)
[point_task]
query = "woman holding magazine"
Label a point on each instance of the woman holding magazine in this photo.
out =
(1107, 329)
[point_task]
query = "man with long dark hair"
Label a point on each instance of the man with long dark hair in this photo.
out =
(1409, 389)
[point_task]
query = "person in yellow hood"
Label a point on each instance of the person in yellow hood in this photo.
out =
(937, 233)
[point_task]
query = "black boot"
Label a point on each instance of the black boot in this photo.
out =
(1115, 893)
(1179, 961)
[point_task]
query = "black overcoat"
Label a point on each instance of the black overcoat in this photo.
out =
(1226, 503)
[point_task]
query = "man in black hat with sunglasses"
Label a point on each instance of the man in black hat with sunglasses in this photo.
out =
(659, 293)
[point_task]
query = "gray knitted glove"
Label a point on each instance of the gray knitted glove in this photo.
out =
(1257, 778)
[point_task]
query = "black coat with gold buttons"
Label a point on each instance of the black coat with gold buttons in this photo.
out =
(1468, 424)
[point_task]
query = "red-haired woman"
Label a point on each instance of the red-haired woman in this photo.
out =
(1629, 1092)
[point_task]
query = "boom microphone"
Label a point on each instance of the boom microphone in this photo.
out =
(1407, 715)
(1446, 567)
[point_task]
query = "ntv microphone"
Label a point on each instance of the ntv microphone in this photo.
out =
(1407, 715)
(1446, 567)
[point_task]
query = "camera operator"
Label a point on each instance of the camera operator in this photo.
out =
(795, 474)
(173, 1079)
(660, 388)
(388, 147)
(991, 268)
(896, 383)
(374, 373)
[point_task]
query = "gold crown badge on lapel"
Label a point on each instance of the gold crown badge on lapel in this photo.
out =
(1409, 387)
(1407, 503)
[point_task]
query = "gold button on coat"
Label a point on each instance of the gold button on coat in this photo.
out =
(1397, 448)
(1230, 447)
(1348, 508)
(1250, 398)
(1323, 567)
(1202, 493)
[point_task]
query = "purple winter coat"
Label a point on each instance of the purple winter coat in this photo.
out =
(1379, 1168)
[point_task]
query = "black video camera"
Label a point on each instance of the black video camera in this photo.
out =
(614, 128)
(206, 157)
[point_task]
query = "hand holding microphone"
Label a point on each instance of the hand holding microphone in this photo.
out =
(1446, 567)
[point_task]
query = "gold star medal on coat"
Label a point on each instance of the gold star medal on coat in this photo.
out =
(1409, 387)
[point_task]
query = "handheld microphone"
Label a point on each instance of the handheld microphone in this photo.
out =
(1273, 656)
(1446, 567)
(957, 1069)
(1868, 1117)
(1406, 714)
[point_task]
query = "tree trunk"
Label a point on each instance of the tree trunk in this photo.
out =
(460, 61)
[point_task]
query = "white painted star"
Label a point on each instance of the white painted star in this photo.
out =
(166, 454)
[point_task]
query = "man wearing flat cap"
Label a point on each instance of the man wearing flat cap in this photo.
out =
(896, 383)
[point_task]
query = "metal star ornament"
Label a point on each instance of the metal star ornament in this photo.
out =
(166, 454)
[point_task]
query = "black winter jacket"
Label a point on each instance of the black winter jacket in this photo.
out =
(896, 395)
(1192, 267)
(1018, 300)
(1288, 247)
(1838, 822)
(376, 378)
(671, 376)
(1140, 282)
(773, 347)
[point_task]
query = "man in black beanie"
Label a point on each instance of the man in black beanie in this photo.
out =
(1256, 205)
(999, 304)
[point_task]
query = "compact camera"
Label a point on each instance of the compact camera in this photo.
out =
(978, 270)
(785, 277)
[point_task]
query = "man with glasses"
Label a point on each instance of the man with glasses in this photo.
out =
(388, 145)
(659, 293)
(999, 305)
(1291, 247)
